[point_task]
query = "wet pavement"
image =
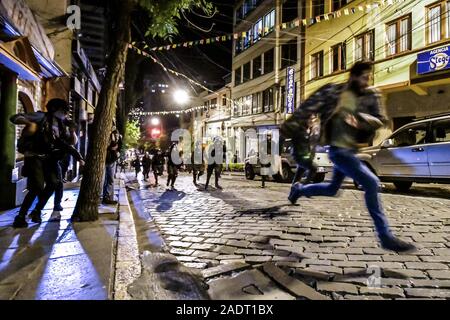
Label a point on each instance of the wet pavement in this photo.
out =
(327, 244)
(57, 260)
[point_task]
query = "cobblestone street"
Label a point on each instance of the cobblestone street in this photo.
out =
(326, 243)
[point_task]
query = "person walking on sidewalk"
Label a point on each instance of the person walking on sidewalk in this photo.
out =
(112, 155)
(172, 167)
(42, 143)
(215, 162)
(72, 139)
(146, 164)
(136, 164)
(197, 163)
(356, 116)
(157, 165)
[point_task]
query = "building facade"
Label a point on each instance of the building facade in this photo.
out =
(267, 61)
(408, 41)
(29, 78)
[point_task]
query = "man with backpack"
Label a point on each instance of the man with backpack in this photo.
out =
(215, 162)
(112, 155)
(43, 141)
(350, 115)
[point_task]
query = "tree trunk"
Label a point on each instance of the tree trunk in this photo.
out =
(88, 201)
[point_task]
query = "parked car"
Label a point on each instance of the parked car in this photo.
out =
(417, 152)
(286, 168)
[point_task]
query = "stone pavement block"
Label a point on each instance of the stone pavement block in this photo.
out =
(195, 265)
(291, 259)
(385, 292)
(349, 264)
(294, 250)
(308, 262)
(399, 258)
(427, 293)
(364, 257)
(225, 249)
(328, 269)
(248, 285)
(182, 252)
(375, 251)
(442, 251)
(338, 257)
(360, 297)
(387, 265)
(259, 239)
(347, 250)
(224, 269)
(445, 259)
(338, 287)
(292, 285)
(205, 254)
(192, 239)
(186, 259)
(404, 273)
(426, 266)
(216, 241)
(229, 257)
(431, 283)
(257, 259)
(237, 243)
(180, 244)
(439, 274)
(202, 246)
(311, 273)
(249, 252)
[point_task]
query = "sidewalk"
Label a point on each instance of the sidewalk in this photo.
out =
(58, 260)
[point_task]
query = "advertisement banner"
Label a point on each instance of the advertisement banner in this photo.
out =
(434, 60)
(290, 91)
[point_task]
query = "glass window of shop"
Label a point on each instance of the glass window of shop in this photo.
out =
(257, 67)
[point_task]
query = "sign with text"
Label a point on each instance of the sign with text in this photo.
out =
(290, 91)
(434, 60)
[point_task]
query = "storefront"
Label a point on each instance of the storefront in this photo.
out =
(26, 67)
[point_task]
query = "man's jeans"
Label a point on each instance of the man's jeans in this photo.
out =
(346, 164)
(108, 185)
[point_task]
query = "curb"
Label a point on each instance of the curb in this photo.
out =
(127, 264)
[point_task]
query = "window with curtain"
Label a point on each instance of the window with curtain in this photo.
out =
(434, 23)
(257, 30)
(269, 22)
(398, 35)
(338, 57)
(317, 65)
(268, 100)
(364, 46)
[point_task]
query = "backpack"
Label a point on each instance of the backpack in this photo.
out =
(322, 103)
(42, 141)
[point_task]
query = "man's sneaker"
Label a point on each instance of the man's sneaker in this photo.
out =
(58, 208)
(36, 216)
(394, 244)
(109, 201)
(20, 222)
(294, 194)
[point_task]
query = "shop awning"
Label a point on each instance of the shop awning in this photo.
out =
(11, 62)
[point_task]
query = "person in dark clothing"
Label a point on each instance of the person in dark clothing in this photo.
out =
(112, 155)
(136, 164)
(43, 143)
(197, 163)
(354, 120)
(63, 164)
(172, 166)
(215, 162)
(146, 165)
(157, 165)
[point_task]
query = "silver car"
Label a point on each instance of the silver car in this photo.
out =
(287, 168)
(417, 152)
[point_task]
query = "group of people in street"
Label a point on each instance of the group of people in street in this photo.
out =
(342, 116)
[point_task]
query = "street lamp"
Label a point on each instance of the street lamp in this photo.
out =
(181, 97)
(155, 121)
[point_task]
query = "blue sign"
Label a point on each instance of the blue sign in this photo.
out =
(290, 91)
(434, 60)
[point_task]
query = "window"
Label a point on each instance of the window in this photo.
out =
(441, 130)
(237, 108)
(289, 11)
(224, 101)
(257, 30)
(318, 7)
(246, 72)
(256, 103)
(239, 15)
(317, 65)
(338, 57)
(257, 67)
(399, 36)
(364, 49)
(248, 39)
(269, 22)
(268, 61)
(438, 21)
(411, 136)
(338, 4)
(289, 54)
(237, 76)
(268, 100)
(239, 46)
(247, 105)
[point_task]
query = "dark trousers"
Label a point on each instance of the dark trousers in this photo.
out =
(217, 169)
(59, 192)
(172, 172)
(43, 176)
(346, 164)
